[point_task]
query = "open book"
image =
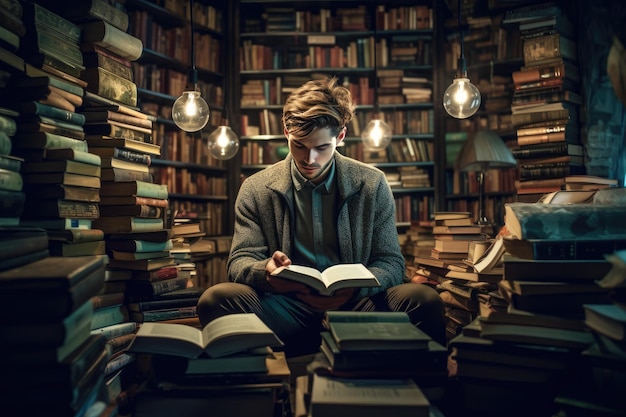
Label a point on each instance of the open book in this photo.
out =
(223, 336)
(331, 279)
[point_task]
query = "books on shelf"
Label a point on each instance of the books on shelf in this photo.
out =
(223, 336)
(331, 279)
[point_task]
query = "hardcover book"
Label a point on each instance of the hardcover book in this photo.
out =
(375, 331)
(110, 85)
(115, 40)
(331, 279)
(223, 336)
(331, 396)
(564, 221)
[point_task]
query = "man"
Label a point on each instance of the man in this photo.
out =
(316, 208)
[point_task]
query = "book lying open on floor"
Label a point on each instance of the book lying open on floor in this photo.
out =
(331, 279)
(223, 336)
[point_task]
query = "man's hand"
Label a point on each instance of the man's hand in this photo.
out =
(281, 285)
(325, 302)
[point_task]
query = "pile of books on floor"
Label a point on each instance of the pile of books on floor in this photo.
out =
(227, 368)
(372, 361)
(541, 345)
(51, 353)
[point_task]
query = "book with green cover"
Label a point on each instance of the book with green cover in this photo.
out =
(375, 331)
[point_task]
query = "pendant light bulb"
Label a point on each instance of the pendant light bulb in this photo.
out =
(461, 99)
(190, 112)
(377, 134)
(223, 143)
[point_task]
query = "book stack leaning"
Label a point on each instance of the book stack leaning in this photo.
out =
(375, 353)
(229, 367)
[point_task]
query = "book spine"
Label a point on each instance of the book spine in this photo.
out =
(8, 125)
(12, 205)
(109, 37)
(542, 138)
(160, 287)
(42, 16)
(57, 113)
(158, 315)
(131, 156)
(151, 190)
(118, 363)
(520, 119)
(119, 343)
(100, 9)
(123, 175)
(548, 171)
(110, 85)
(109, 315)
(107, 300)
(550, 46)
(11, 180)
(10, 164)
(576, 249)
(51, 45)
(534, 152)
(116, 131)
(78, 209)
(109, 64)
(5, 144)
(116, 330)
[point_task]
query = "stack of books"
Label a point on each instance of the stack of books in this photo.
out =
(378, 352)
(51, 352)
(11, 181)
(229, 366)
(546, 105)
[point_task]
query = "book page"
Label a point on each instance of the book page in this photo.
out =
(344, 272)
(167, 331)
(233, 324)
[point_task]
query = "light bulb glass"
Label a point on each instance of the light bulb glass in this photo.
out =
(223, 143)
(461, 99)
(190, 112)
(376, 135)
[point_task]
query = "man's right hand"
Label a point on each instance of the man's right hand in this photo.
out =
(281, 285)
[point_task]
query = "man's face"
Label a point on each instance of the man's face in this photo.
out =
(313, 153)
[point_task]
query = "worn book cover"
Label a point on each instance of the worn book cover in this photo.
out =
(135, 145)
(110, 85)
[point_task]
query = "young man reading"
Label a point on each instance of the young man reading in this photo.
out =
(316, 208)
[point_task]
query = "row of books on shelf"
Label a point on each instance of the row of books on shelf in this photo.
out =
(290, 19)
(324, 52)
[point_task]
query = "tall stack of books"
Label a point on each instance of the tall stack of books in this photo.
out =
(61, 178)
(604, 360)
(51, 352)
(546, 104)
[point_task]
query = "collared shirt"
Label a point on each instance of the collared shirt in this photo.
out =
(316, 242)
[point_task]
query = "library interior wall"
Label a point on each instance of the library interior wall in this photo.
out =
(599, 20)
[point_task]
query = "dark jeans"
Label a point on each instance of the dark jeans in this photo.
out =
(299, 326)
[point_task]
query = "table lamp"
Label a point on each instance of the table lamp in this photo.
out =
(484, 150)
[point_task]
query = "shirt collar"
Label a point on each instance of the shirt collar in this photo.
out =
(299, 181)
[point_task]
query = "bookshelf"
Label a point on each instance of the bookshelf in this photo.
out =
(284, 44)
(197, 182)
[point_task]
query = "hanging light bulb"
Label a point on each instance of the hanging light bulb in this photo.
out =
(190, 111)
(223, 143)
(461, 99)
(377, 134)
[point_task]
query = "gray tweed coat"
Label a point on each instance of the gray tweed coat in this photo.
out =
(366, 224)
